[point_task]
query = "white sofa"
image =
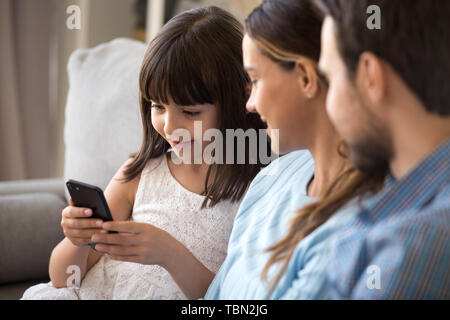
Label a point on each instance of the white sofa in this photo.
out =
(102, 128)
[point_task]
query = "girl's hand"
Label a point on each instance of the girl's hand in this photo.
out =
(77, 225)
(147, 244)
(136, 242)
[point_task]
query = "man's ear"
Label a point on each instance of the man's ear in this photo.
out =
(371, 78)
(307, 77)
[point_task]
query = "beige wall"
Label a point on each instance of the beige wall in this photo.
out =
(24, 90)
(240, 8)
(109, 19)
(36, 45)
(101, 21)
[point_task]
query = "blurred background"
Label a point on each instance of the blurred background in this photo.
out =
(37, 38)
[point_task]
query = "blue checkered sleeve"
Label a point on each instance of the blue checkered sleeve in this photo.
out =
(411, 256)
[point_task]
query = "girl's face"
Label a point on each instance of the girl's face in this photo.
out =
(167, 118)
(276, 96)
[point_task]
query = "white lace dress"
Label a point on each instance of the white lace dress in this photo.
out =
(164, 203)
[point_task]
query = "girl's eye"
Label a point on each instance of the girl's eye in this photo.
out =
(191, 113)
(157, 107)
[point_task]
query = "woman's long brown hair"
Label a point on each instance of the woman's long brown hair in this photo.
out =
(197, 59)
(285, 31)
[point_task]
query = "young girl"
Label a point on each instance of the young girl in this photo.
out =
(173, 219)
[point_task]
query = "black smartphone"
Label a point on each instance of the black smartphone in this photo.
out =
(88, 196)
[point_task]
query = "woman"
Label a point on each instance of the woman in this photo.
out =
(276, 250)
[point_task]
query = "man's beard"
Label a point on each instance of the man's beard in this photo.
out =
(373, 150)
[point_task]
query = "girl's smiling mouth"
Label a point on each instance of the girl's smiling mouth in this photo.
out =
(179, 144)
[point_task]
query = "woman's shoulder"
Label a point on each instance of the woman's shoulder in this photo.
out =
(284, 180)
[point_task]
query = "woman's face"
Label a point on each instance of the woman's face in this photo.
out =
(276, 96)
(176, 125)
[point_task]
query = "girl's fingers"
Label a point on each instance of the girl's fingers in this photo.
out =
(116, 238)
(80, 233)
(76, 212)
(82, 223)
(115, 250)
(125, 226)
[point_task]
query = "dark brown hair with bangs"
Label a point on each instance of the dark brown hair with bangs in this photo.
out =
(197, 59)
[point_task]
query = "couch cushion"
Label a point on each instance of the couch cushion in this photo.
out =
(102, 125)
(30, 227)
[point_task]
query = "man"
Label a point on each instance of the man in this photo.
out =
(389, 98)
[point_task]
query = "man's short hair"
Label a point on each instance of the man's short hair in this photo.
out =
(414, 39)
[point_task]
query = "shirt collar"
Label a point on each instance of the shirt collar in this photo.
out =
(415, 189)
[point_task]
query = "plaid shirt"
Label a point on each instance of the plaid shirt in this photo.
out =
(398, 246)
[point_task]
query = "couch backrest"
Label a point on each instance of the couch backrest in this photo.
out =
(102, 119)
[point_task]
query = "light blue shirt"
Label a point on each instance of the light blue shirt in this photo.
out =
(273, 198)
